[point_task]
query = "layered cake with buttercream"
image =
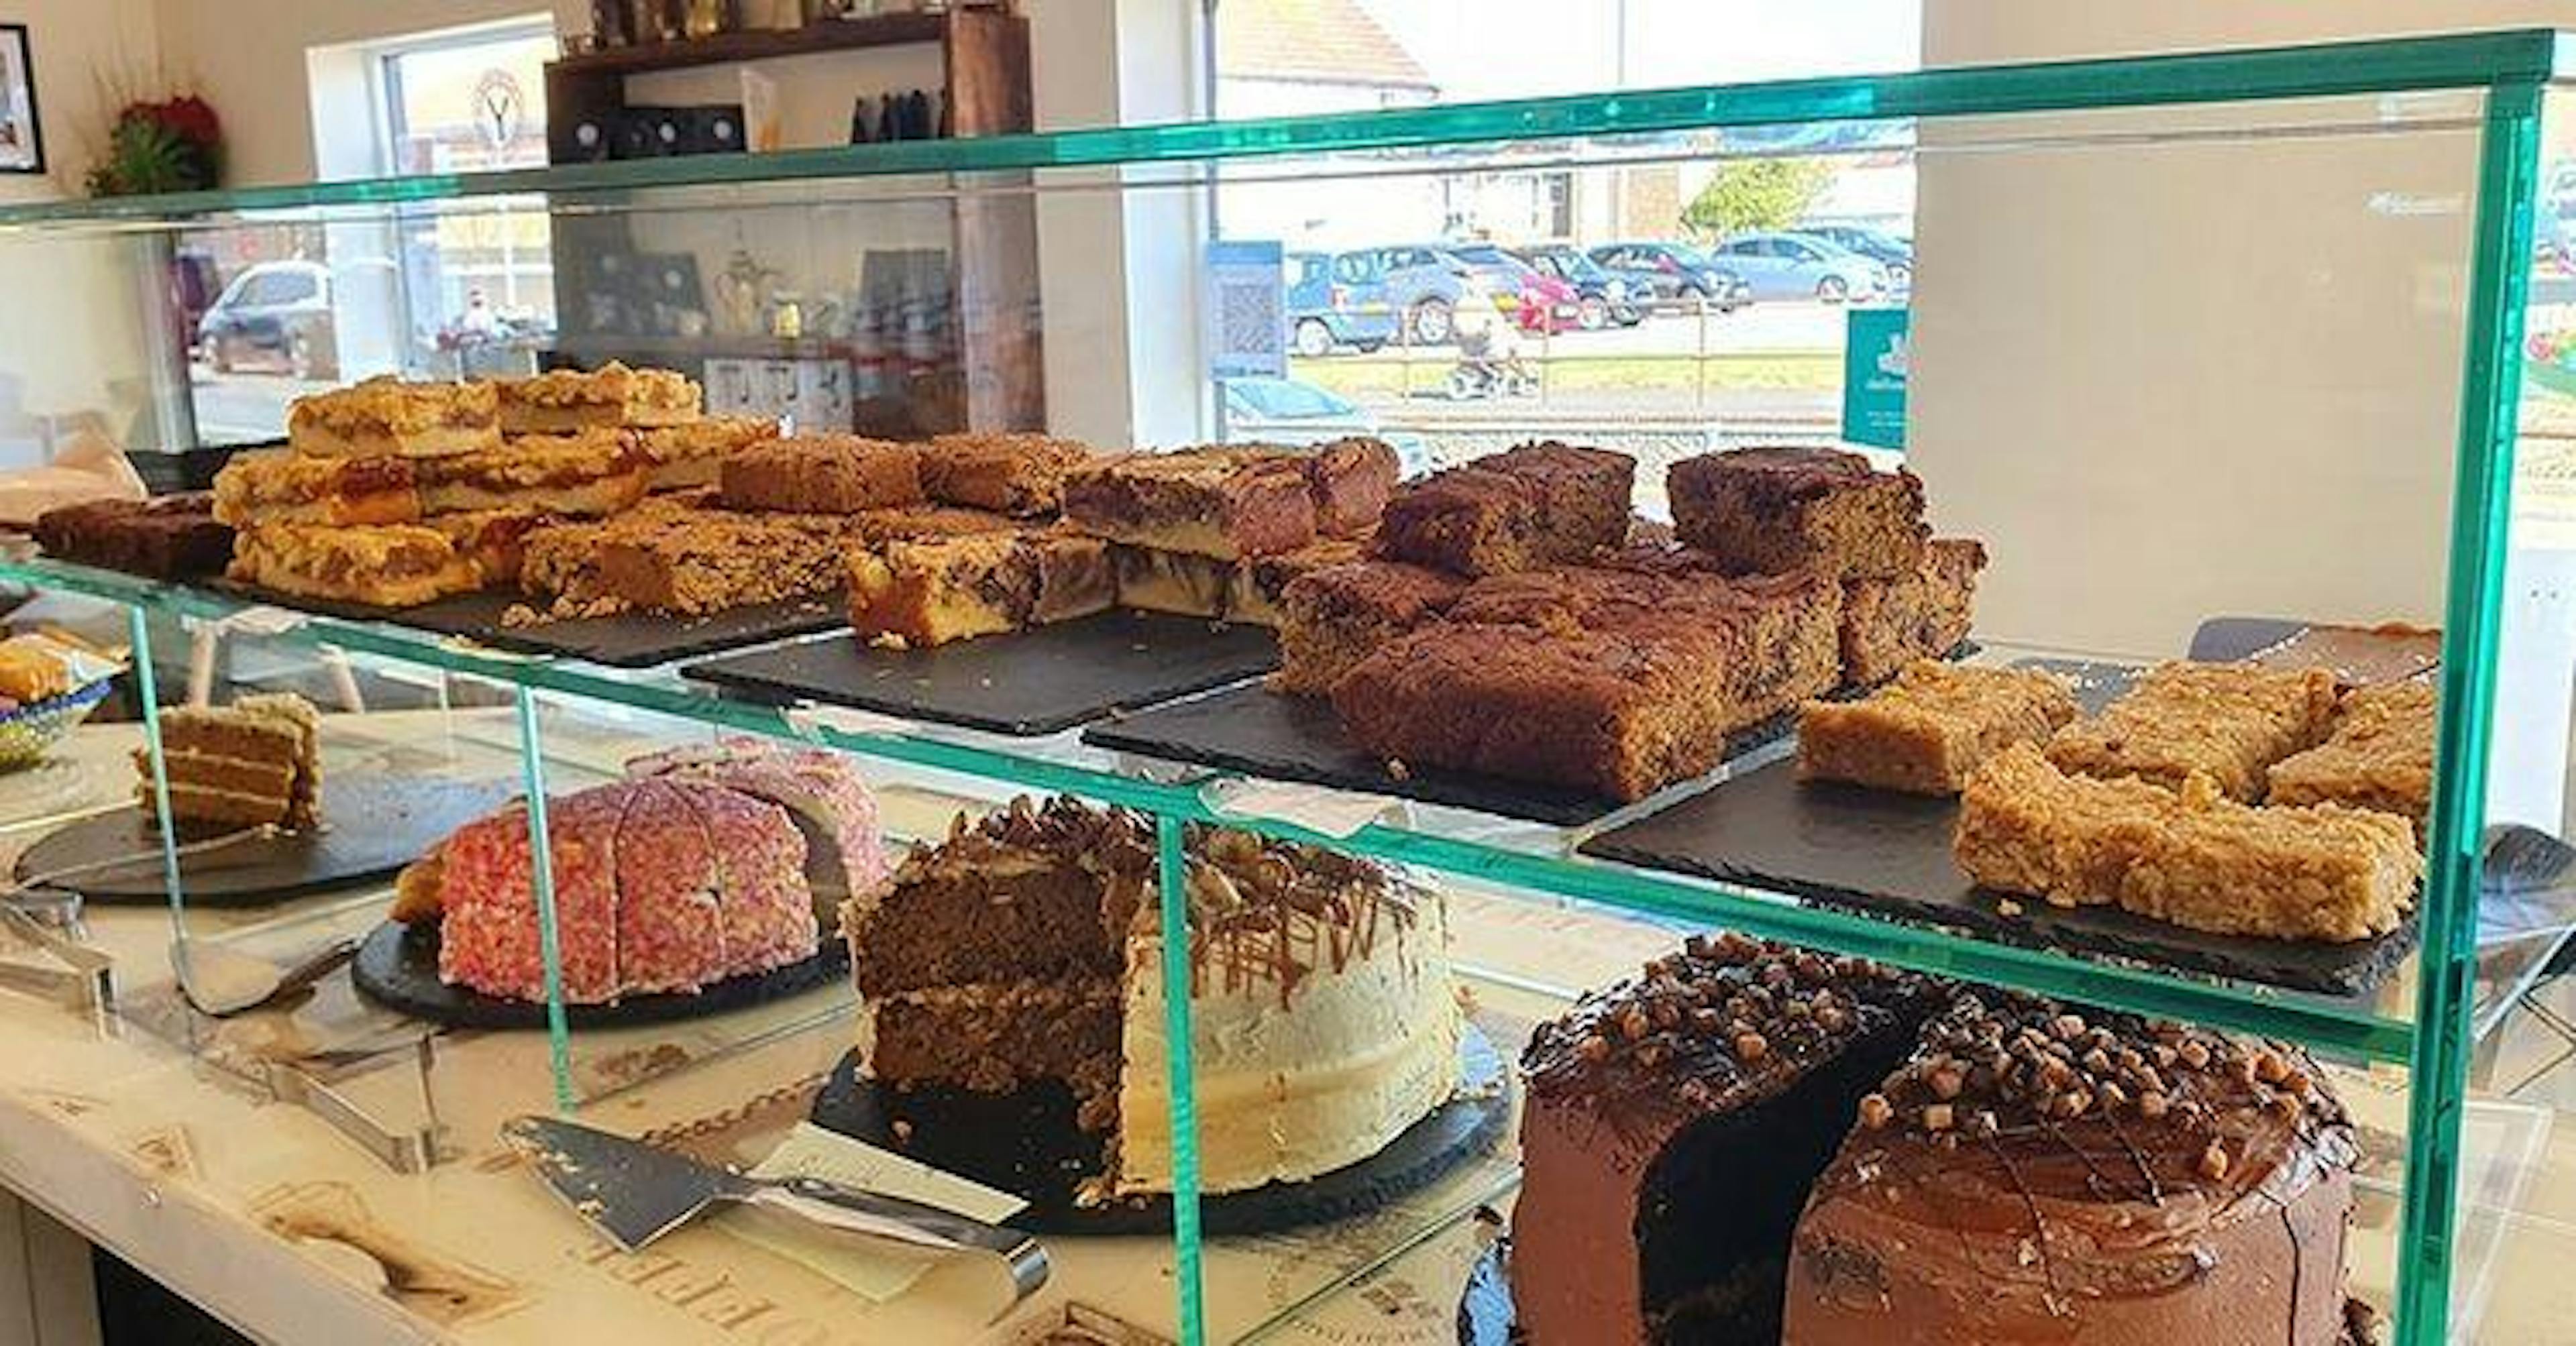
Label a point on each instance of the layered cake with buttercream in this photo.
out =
(1010, 982)
(254, 762)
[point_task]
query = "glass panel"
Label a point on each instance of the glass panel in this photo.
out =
(2271, 430)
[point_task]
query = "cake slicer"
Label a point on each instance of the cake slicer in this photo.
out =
(635, 1193)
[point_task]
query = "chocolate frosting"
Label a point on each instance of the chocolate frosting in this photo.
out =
(2039, 1175)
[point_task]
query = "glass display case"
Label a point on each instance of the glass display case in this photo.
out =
(2210, 352)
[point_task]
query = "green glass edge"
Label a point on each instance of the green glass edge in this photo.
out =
(2325, 1025)
(2394, 65)
(541, 877)
(1171, 886)
(2481, 504)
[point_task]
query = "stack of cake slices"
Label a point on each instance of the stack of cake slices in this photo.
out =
(1515, 620)
(393, 494)
(256, 762)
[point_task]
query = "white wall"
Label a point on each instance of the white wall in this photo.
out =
(2176, 381)
(70, 340)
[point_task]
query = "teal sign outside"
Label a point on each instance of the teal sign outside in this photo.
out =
(1875, 355)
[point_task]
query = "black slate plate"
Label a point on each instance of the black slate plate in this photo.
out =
(1885, 853)
(397, 968)
(1036, 681)
(629, 640)
(1029, 1147)
(372, 826)
(1251, 730)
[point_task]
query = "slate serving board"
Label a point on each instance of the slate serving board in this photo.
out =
(1034, 1152)
(372, 826)
(397, 967)
(1885, 853)
(1037, 681)
(628, 640)
(1251, 730)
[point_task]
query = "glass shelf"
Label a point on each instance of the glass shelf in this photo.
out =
(2437, 247)
(2402, 65)
(1530, 857)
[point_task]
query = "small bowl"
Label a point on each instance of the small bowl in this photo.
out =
(30, 731)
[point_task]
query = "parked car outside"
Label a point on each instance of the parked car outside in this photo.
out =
(1659, 272)
(1886, 249)
(1600, 297)
(1794, 266)
(1421, 282)
(1295, 412)
(1331, 302)
(1537, 301)
(275, 312)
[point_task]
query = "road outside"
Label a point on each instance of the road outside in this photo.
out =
(1675, 385)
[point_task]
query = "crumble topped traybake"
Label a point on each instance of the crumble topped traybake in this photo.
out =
(280, 486)
(592, 472)
(823, 474)
(688, 455)
(564, 400)
(389, 565)
(387, 418)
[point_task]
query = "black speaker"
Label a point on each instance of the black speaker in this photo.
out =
(651, 132)
(592, 139)
(715, 129)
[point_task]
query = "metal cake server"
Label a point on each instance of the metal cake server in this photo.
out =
(222, 982)
(635, 1193)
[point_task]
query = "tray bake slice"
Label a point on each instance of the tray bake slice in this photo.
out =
(564, 400)
(387, 418)
(384, 566)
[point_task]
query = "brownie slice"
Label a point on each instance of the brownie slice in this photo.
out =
(1332, 618)
(1784, 508)
(1922, 614)
(822, 474)
(1536, 505)
(169, 537)
(1221, 502)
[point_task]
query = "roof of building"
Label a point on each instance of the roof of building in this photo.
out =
(1312, 42)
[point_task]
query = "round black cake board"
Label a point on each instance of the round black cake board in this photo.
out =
(397, 968)
(372, 825)
(1028, 1146)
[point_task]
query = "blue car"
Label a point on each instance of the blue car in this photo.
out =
(1800, 266)
(1333, 302)
(1295, 412)
(1886, 249)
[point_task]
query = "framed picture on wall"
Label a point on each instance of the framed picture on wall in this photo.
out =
(22, 144)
